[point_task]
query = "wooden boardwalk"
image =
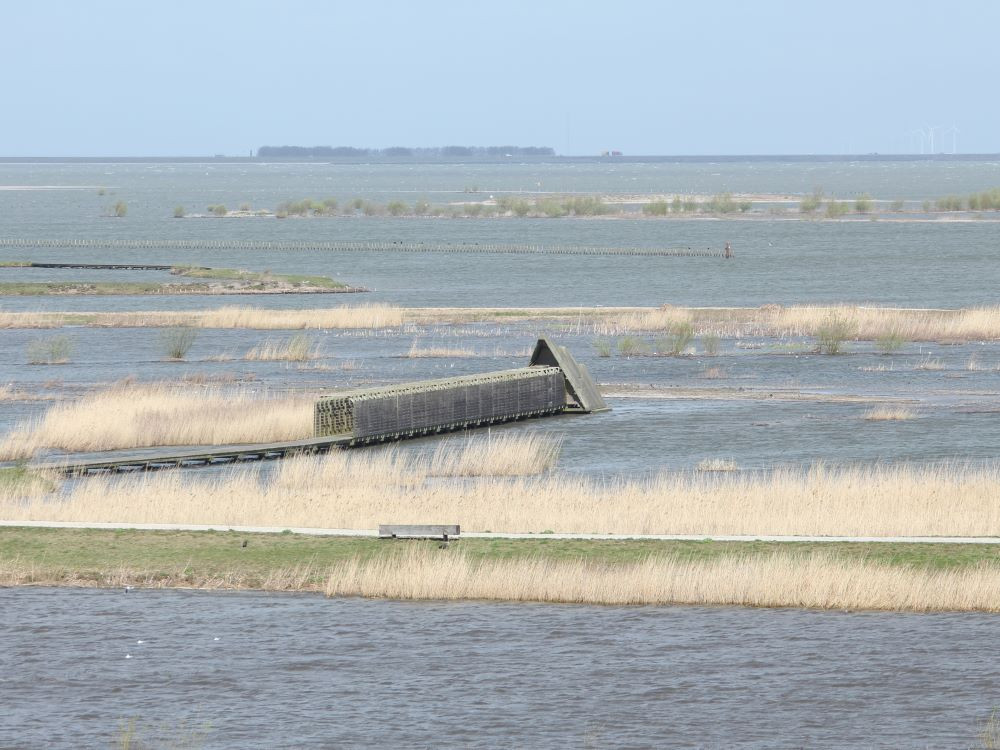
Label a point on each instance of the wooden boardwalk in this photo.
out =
(151, 459)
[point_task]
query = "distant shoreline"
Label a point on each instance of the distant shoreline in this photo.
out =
(583, 159)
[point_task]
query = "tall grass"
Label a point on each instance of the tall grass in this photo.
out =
(819, 581)
(832, 334)
(299, 348)
(54, 350)
(864, 323)
(362, 489)
(416, 352)
(129, 416)
(360, 316)
(177, 342)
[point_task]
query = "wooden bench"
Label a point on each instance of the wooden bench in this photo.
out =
(418, 531)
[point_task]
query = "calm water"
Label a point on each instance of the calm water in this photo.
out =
(249, 670)
(923, 264)
(263, 671)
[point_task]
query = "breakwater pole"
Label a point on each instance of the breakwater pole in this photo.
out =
(384, 246)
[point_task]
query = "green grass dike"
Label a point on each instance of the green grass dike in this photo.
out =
(192, 280)
(287, 561)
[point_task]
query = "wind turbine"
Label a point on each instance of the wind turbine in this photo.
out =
(930, 130)
(954, 131)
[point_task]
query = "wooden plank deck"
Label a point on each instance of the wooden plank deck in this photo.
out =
(151, 459)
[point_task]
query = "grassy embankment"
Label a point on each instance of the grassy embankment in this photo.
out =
(860, 323)
(871, 576)
(212, 281)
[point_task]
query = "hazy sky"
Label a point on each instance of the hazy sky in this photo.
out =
(199, 78)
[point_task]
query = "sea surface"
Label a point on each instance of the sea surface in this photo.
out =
(186, 669)
(246, 670)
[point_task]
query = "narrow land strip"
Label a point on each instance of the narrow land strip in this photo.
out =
(909, 577)
(372, 533)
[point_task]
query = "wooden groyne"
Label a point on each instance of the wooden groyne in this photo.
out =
(384, 246)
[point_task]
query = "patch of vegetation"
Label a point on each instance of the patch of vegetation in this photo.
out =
(710, 343)
(811, 203)
(890, 342)
(177, 342)
(54, 350)
(863, 204)
(179, 212)
(61, 554)
(603, 347)
(836, 209)
(832, 334)
(631, 346)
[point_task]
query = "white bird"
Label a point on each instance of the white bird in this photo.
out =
(140, 642)
(215, 639)
(128, 656)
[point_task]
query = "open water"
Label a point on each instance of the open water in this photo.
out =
(288, 671)
(251, 670)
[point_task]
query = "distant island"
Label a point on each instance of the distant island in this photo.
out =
(326, 152)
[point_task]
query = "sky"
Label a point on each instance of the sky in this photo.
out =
(110, 78)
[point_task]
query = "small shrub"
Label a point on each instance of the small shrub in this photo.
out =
(656, 208)
(177, 342)
(863, 204)
(681, 336)
(631, 346)
(896, 206)
(710, 343)
(119, 210)
(949, 203)
(603, 347)
(421, 208)
(54, 350)
(811, 202)
(836, 209)
(179, 212)
(890, 342)
(219, 210)
(396, 208)
(832, 334)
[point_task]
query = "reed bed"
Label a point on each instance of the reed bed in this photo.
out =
(818, 581)
(812, 580)
(299, 348)
(505, 454)
(417, 352)
(866, 323)
(889, 414)
(343, 317)
(130, 416)
(362, 489)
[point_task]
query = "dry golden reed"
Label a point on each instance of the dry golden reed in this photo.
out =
(356, 316)
(359, 490)
(782, 579)
(817, 580)
(129, 416)
(865, 323)
(299, 348)
(889, 414)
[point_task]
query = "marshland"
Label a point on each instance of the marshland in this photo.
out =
(833, 378)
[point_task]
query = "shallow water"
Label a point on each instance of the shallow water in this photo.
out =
(255, 670)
